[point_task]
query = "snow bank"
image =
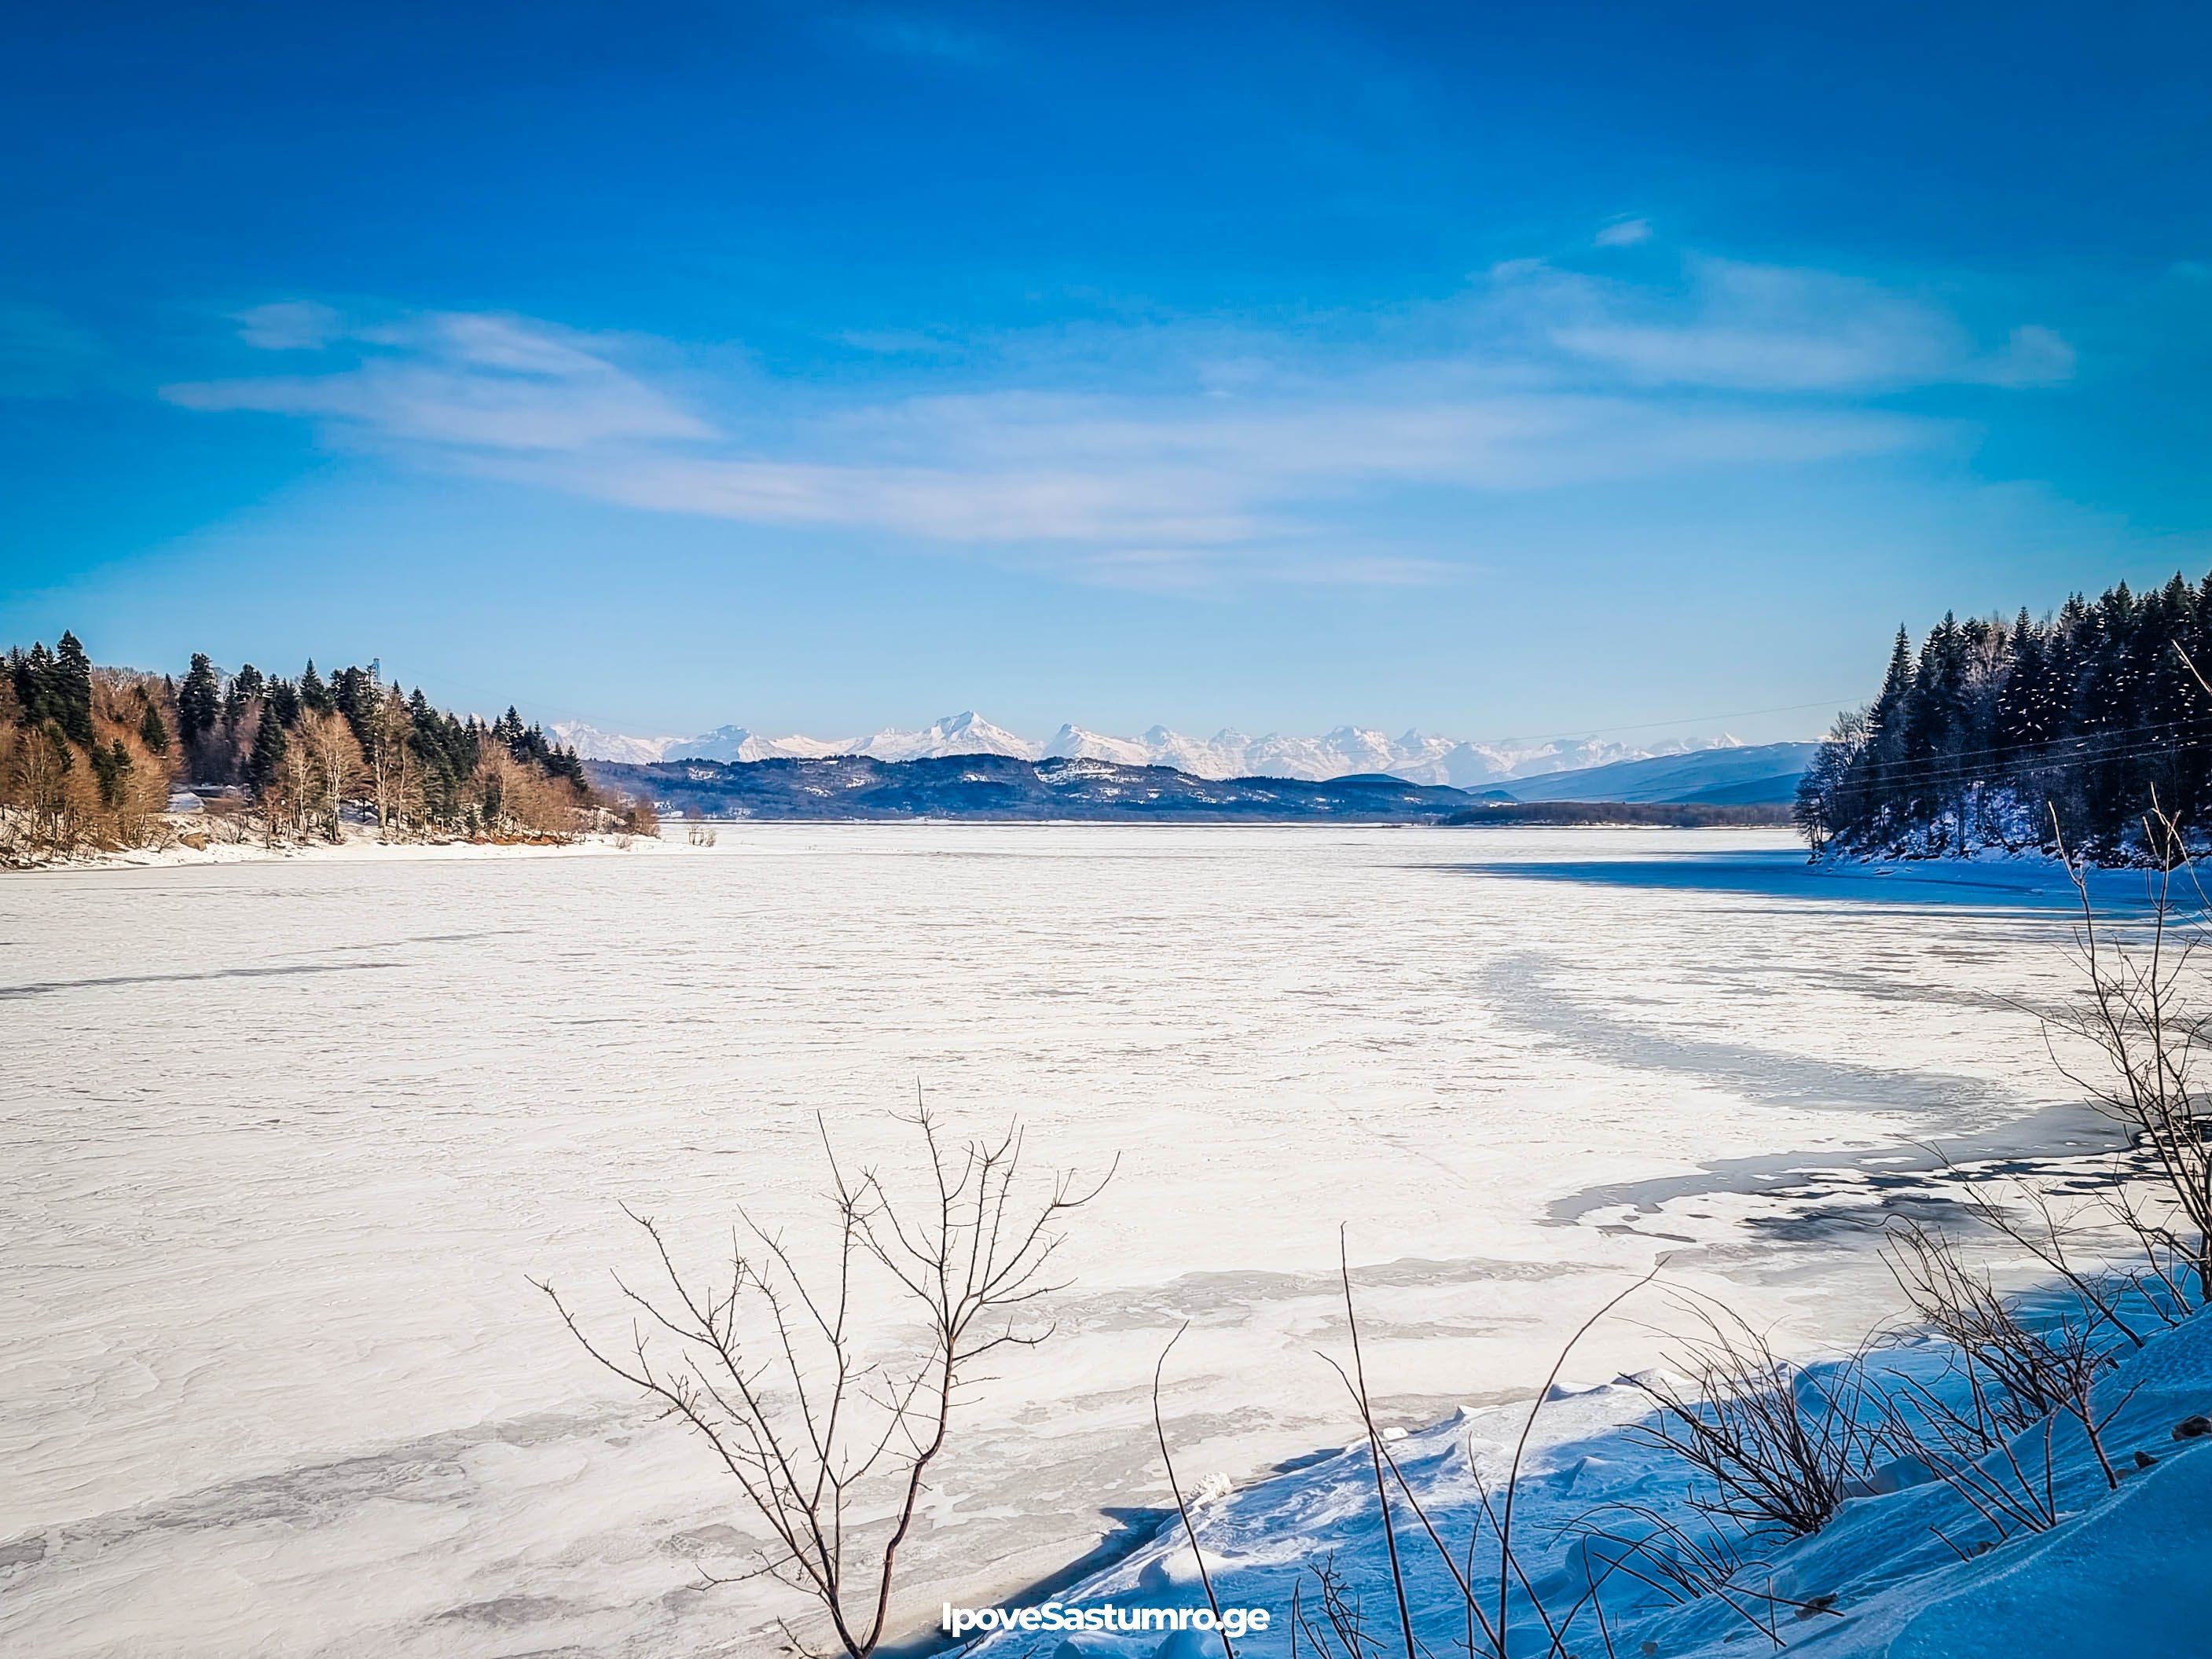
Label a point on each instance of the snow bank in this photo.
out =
(2120, 1573)
(193, 846)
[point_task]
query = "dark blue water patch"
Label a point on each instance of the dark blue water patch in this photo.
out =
(1783, 874)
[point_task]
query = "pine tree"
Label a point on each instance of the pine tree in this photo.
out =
(151, 730)
(353, 694)
(199, 699)
(246, 686)
(72, 681)
(110, 771)
(1884, 751)
(266, 764)
(36, 692)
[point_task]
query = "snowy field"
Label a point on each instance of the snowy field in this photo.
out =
(283, 1139)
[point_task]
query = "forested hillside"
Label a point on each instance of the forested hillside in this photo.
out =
(2033, 735)
(88, 757)
(1007, 789)
(1004, 788)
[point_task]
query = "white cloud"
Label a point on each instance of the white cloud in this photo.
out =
(1623, 233)
(1126, 486)
(1754, 328)
(1184, 473)
(459, 380)
(2033, 355)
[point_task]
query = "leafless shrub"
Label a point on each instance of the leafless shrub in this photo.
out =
(1780, 1444)
(227, 820)
(1333, 1626)
(2143, 1011)
(1182, 1509)
(1357, 1383)
(2166, 1283)
(2008, 1479)
(778, 1371)
(2148, 1282)
(1957, 1303)
(2022, 1374)
(1487, 1620)
(1638, 1542)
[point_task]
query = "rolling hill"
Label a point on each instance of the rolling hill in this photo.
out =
(1004, 788)
(1756, 774)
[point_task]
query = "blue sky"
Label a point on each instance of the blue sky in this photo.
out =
(1501, 370)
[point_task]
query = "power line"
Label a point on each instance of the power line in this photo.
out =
(1959, 767)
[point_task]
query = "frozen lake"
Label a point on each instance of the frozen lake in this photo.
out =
(283, 1141)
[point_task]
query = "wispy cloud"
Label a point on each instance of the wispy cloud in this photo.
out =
(1623, 233)
(289, 326)
(457, 381)
(1230, 458)
(1769, 329)
(2032, 355)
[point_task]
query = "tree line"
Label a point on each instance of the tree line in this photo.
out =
(89, 758)
(2057, 734)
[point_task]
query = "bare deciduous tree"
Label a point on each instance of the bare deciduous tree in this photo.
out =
(393, 774)
(332, 770)
(44, 777)
(784, 1372)
(520, 800)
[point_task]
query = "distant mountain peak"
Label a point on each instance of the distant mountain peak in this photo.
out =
(965, 733)
(1344, 751)
(592, 744)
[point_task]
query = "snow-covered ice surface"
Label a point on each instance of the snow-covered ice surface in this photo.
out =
(283, 1139)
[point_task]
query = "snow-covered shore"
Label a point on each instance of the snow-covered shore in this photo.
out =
(1909, 1569)
(188, 845)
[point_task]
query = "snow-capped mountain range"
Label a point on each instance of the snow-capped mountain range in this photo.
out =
(1417, 756)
